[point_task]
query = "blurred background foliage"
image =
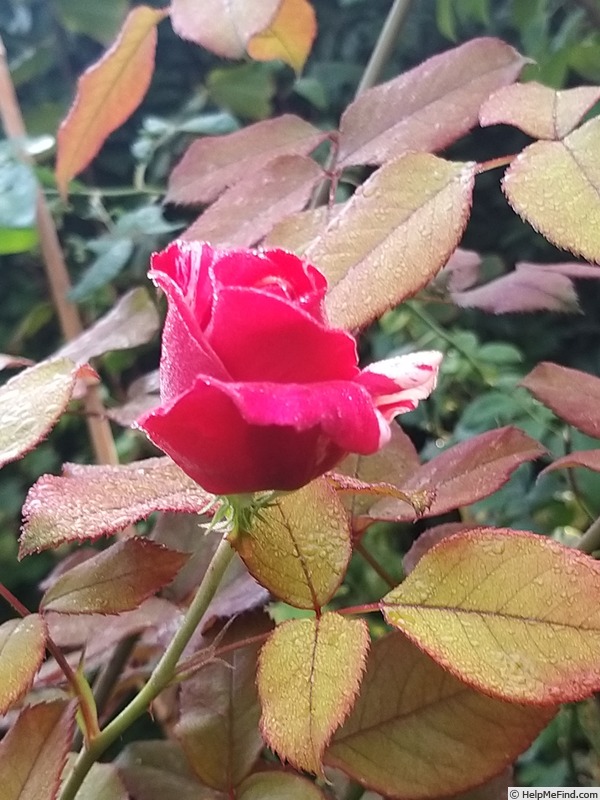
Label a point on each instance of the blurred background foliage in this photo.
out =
(114, 219)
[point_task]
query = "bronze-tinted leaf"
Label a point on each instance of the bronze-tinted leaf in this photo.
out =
(573, 395)
(89, 501)
(132, 321)
(299, 547)
(464, 473)
(118, 579)
(213, 163)
(22, 646)
(392, 236)
(297, 232)
(308, 677)
(108, 93)
(248, 210)
(418, 732)
(32, 402)
(34, 751)
(428, 539)
(275, 784)
(555, 186)
(289, 37)
(539, 111)
(510, 613)
(428, 107)
(218, 727)
(157, 770)
(223, 26)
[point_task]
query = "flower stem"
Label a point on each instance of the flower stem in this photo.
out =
(161, 676)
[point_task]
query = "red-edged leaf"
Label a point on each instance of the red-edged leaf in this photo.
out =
(531, 287)
(513, 614)
(117, 579)
(248, 210)
(428, 107)
(539, 111)
(223, 26)
(308, 676)
(132, 321)
(429, 539)
(32, 402)
(372, 250)
(272, 784)
(573, 395)
(218, 727)
(465, 473)
(590, 459)
(22, 646)
(299, 547)
(418, 732)
(565, 174)
(108, 93)
(289, 37)
(89, 501)
(213, 163)
(34, 751)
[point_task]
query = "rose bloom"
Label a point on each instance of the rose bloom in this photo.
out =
(257, 390)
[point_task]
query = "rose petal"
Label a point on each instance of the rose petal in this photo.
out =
(261, 337)
(249, 437)
(397, 384)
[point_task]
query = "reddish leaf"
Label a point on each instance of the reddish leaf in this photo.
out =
(308, 677)
(117, 579)
(461, 271)
(22, 646)
(510, 613)
(34, 751)
(590, 459)
(299, 547)
(465, 473)
(531, 287)
(252, 206)
(555, 186)
(573, 395)
(289, 37)
(132, 321)
(223, 26)
(32, 402)
(142, 395)
(89, 501)
(297, 232)
(8, 362)
(418, 732)
(108, 93)
(276, 784)
(429, 107)
(213, 163)
(539, 111)
(372, 250)
(220, 712)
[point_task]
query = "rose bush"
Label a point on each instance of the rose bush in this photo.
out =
(257, 390)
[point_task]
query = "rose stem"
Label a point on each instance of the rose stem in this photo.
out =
(161, 675)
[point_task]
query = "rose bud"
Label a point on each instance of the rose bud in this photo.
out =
(258, 392)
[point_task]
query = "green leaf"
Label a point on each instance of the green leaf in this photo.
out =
(271, 785)
(555, 186)
(308, 677)
(372, 250)
(246, 90)
(34, 751)
(103, 783)
(103, 269)
(445, 19)
(218, 726)
(17, 240)
(299, 547)
(31, 403)
(117, 579)
(22, 646)
(415, 728)
(510, 613)
(18, 192)
(100, 23)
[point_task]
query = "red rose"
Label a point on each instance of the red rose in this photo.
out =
(257, 391)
